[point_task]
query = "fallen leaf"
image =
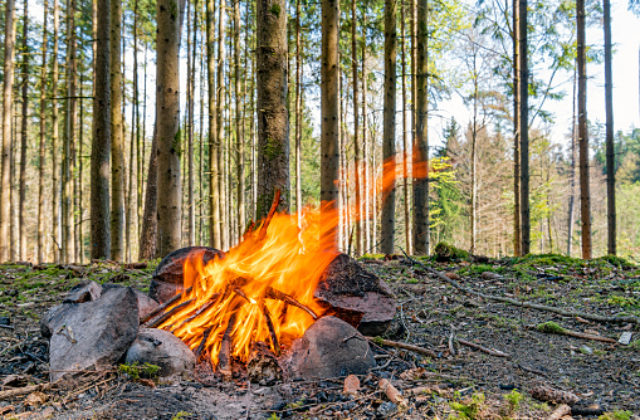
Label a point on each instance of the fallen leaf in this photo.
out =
(351, 385)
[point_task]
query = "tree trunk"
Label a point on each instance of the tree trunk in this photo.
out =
(405, 147)
(239, 121)
(168, 128)
(149, 231)
(41, 146)
(388, 217)
(222, 197)
(421, 186)
(357, 154)
(298, 114)
(117, 143)
(572, 170)
(7, 91)
(136, 124)
(474, 160)
(100, 233)
(69, 136)
(610, 152)
(22, 255)
(365, 144)
(524, 129)
(273, 122)
(583, 135)
(55, 194)
(517, 227)
(214, 185)
(330, 158)
(192, 84)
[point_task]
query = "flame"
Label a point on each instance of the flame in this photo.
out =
(237, 294)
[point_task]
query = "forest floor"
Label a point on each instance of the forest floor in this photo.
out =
(460, 382)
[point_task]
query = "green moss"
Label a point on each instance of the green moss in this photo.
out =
(447, 252)
(550, 327)
(514, 398)
(614, 260)
(467, 409)
(275, 9)
(181, 415)
(272, 148)
(136, 371)
(616, 415)
(368, 256)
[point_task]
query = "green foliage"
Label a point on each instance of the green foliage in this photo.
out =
(550, 327)
(274, 416)
(136, 371)
(447, 252)
(514, 398)
(180, 415)
(616, 415)
(469, 408)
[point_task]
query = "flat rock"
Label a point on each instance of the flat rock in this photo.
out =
(329, 348)
(84, 292)
(161, 348)
(167, 279)
(356, 296)
(146, 305)
(91, 334)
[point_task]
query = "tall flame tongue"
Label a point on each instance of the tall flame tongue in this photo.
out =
(264, 286)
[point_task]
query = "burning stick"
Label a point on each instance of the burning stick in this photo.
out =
(212, 300)
(272, 331)
(224, 357)
(165, 305)
(205, 335)
(272, 293)
(154, 322)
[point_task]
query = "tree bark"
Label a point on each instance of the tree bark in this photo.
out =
(41, 146)
(389, 136)
(572, 170)
(610, 148)
(524, 129)
(583, 135)
(219, 142)
(7, 92)
(330, 158)
(405, 144)
(298, 113)
(239, 123)
(168, 128)
(474, 159)
(100, 232)
(22, 255)
(365, 144)
(273, 121)
(357, 154)
(117, 142)
(517, 228)
(421, 186)
(214, 185)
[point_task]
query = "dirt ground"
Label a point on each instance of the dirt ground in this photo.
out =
(461, 382)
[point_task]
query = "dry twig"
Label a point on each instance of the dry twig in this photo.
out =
(404, 346)
(164, 306)
(491, 352)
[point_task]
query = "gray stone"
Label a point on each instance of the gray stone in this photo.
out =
(329, 348)
(161, 348)
(92, 334)
(84, 292)
(146, 305)
(167, 279)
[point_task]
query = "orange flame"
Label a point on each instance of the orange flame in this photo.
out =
(234, 295)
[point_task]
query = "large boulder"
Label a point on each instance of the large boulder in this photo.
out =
(92, 334)
(356, 296)
(329, 348)
(167, 279)
(161, 348)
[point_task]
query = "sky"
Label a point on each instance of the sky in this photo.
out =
(625, 33)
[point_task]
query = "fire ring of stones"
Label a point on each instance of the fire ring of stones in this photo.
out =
(98, 326)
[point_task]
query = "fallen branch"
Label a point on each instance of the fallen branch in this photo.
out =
(559, 412)
(164, 306)
(153, 323)
(551, 327)
(491, 352)
(405, 346)
(523, 304)
(16, 392)
(272, 293)
(272, 331)
(547, 394)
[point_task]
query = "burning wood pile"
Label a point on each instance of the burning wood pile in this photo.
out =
(283, 303)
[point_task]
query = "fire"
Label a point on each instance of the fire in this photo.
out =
(262, 289)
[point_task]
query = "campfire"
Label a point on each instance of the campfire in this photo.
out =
(283, 299)
(262, 290)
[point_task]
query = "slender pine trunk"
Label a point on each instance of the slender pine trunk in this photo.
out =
(610, 147)
(42, 227)
(583, 134)
(22, 255)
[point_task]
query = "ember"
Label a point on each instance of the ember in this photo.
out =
(263, 289)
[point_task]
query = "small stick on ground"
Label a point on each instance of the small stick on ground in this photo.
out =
(10, 393)
(491, 352)
(272, 293)
(164, 306)
(404, 346)
(523, 304)
(551, 327)
(153, 323)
